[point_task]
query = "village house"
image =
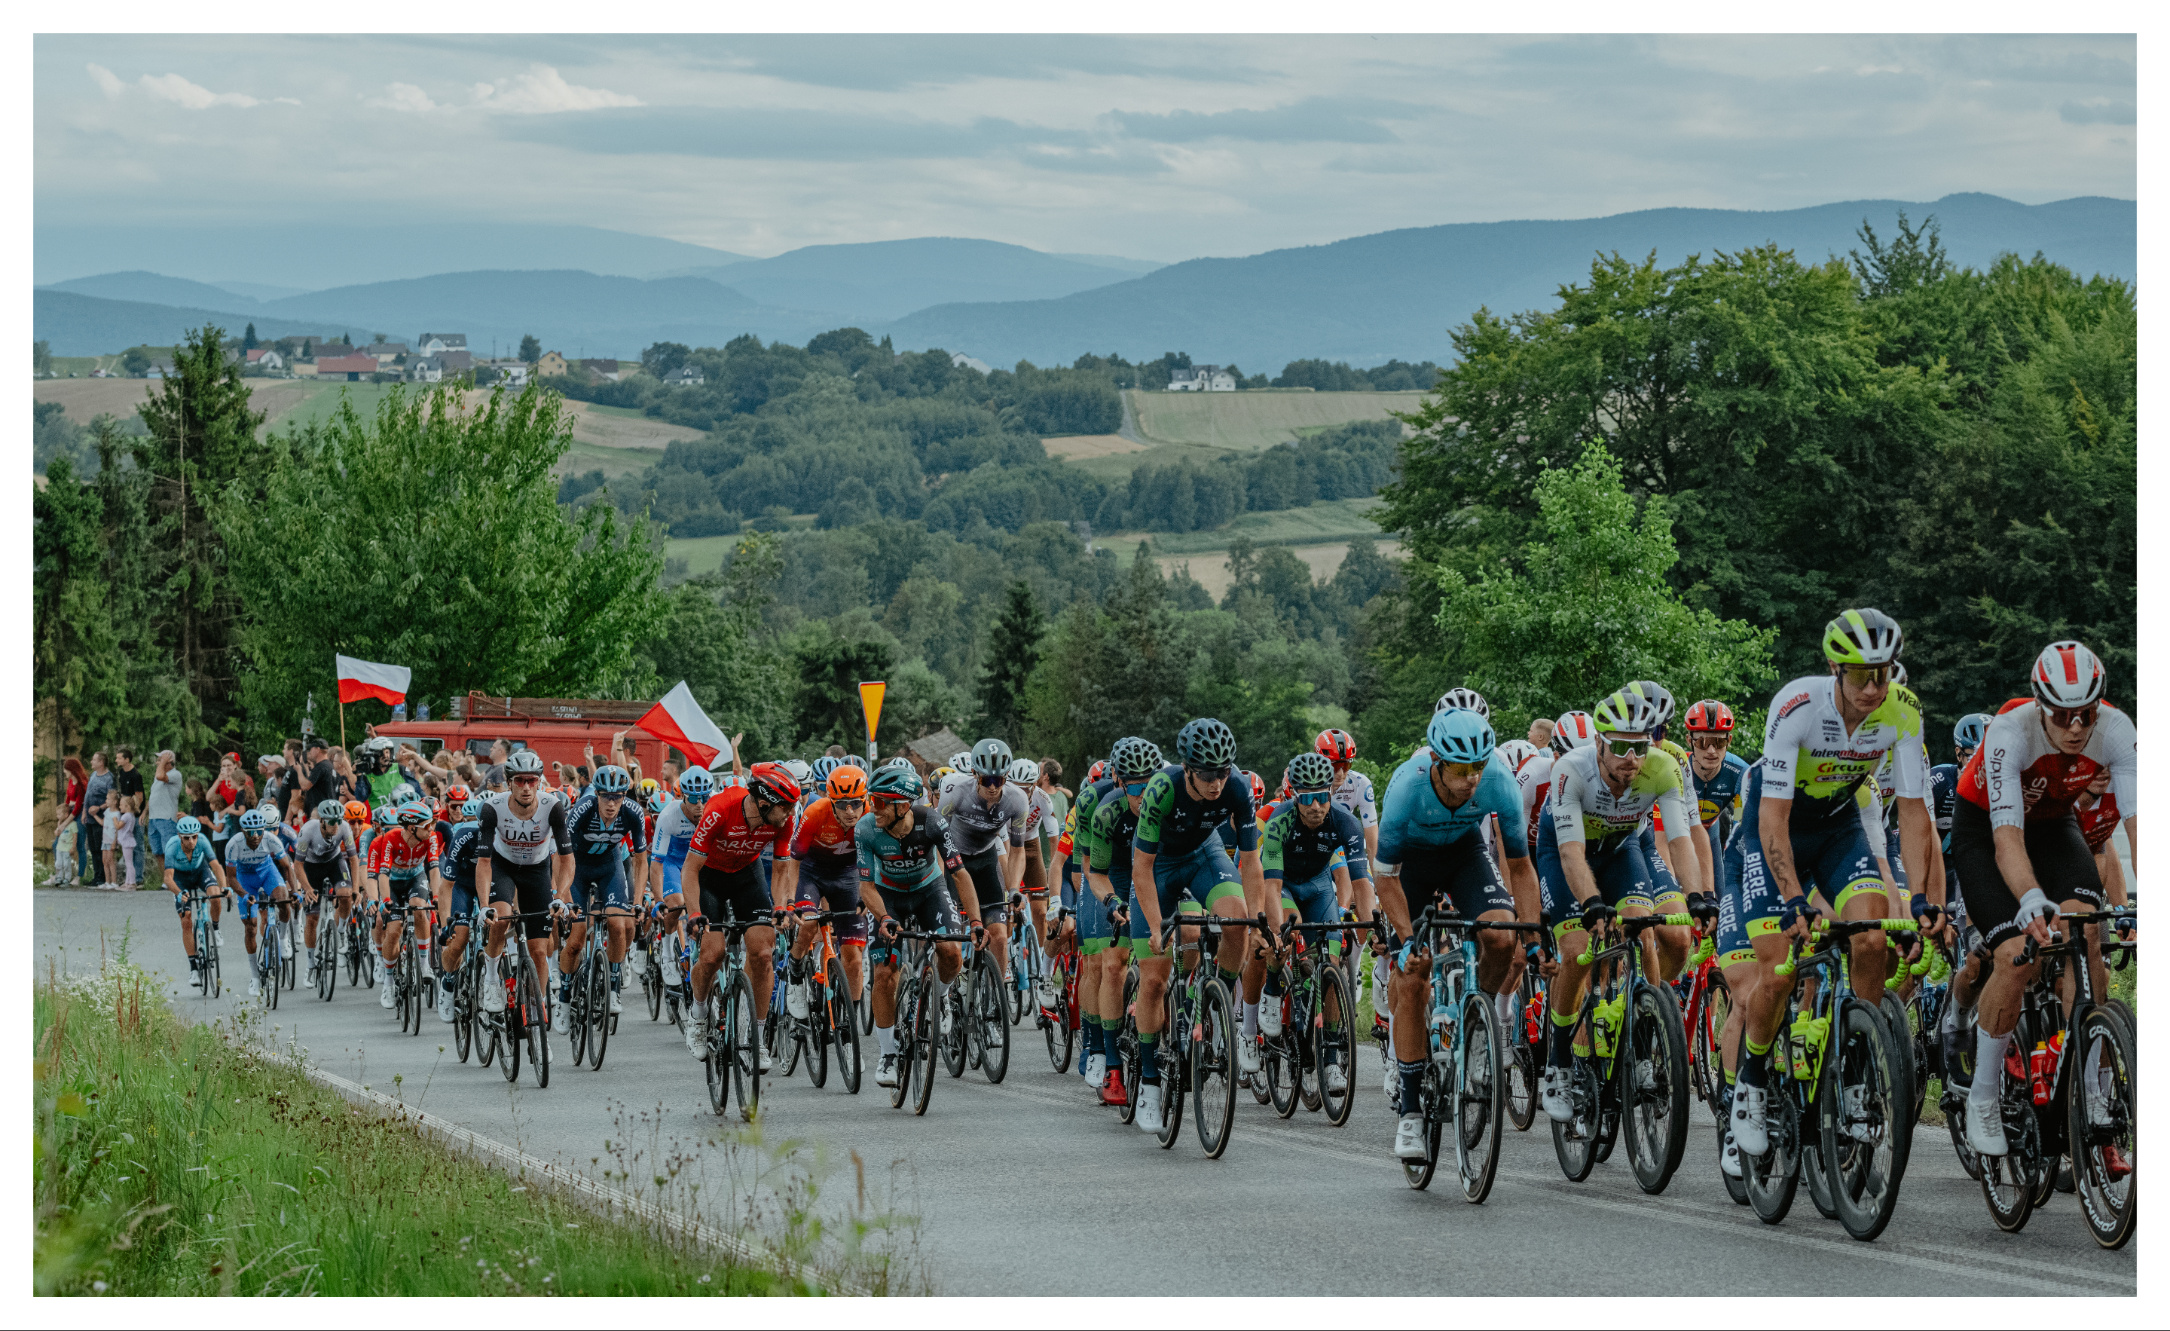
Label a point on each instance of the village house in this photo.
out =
(425, 370)
(263, 358)
(437, 344)
(601, 369)
(353, 367)
(550, 363)
(387, 352)
(685, 376)
(1201, 379)
(513, 372)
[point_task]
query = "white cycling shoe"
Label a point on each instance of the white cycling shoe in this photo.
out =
(1985, 1125)
(668, 965)
(885, 1072)
(1552, 1094)
(795, 999)
(493, 990)
(557, 1013)
(1096, 1071)
(616, 1006)
(1246, 1054)
(1269, 1015)
(1729, 1159)
(1409, 1143)
(1337, 1081)
(444, 1003)
(384, 996)
(1750, 1127)
(696, 1026)
(1148, 1114)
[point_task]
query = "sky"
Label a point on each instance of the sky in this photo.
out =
(1161, 148)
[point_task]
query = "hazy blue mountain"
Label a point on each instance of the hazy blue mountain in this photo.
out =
(79, 325)
(1397, 293)
(259, 290)
(887, 279)
(156, 289)
(309, 256)
(1115, 261)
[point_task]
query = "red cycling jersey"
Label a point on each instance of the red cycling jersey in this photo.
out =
(2098, 822)
(392, 853)
(829, 842)
(2019, 776)
(725, 840)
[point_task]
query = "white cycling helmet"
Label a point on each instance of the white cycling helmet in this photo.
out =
(1468, 700)
(1024, 772)
(1572, 731)
(961, 761)
(2068, 675)
(800, 771)
(1517, 752)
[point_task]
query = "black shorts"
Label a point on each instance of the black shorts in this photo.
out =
(737, 893)
(929, 910)
(524, 887)
(2062, 865)
(330, 873)
(1462, 872)
(987, 885)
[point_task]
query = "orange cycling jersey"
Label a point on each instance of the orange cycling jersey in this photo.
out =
(823, 839)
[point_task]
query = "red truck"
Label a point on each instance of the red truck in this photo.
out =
(558, 729)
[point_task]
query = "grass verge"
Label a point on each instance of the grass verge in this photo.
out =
(172, 1159)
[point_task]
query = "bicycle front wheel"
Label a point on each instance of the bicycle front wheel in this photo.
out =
(1655, 1088)
(2103, 1110)
(598, 1011)
(717, 1064)
(1213, 1069)
(1775, 1176)
(990, 1019)
(1060, 1029)
(1433, 1096)
(1479, 1097)
(745, 1053)
(536, 1020)
(844, 1026)
(925, 1033)
(326, 956)
(463, 1008)
(1575, 1142)
(1334, 1022)
(1864, 1142)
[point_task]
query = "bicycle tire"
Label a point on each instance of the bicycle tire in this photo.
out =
(1022, 972)
(1910, 1080)
(1736, 1188)
(907, 1017)
(598, 1011)
(1816, 1164)
(1865, 1173)
(2108, 1201)
(288, 969)
(745, 1054)
(509, 1032)
(819, 1014)
(778, 1033)
(1575, 1141)
(350, 949)
(1431, 1100)
(1480, 1097)
(716, 1063)
(1707, 1028)
(1126, 1049)
(463, 1009)
(267, 968)
(2010, 1182)
(866, 1016)
(651, 983)
(1335, 1044)
(1061, 1029)
(576, 1014)
(844, 1027)
(536, 1021)
(984, 1005)
(1173, 1062)
(326, 957)
(1773, 1178)
(926, 1031)
(369, 961)
(1213, 1070)
(1656, 1120)
(199, 932)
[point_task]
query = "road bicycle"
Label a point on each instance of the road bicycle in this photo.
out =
(1705, 1008)
(733, 1061)
(649, 940)
(1317, 1011)
(917, 1039)
(975, 1022)
(329, 934)
(1027, 962)
(524, 1025)
(412, 974)
(1198, 1034)
(469, 1030)
(1464, 1085)
(1835, 1095)
(589, 1021)
(358, 947)
(205, 964)
(1526, 1041)
(1061, 1023)
(1646, 1092)
(2068, 1090)
(270, 959)
(831, 1014)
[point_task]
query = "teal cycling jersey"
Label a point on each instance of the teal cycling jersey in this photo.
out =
(186, 865)
(1171, 822)
(1414, 817)
(913, 864)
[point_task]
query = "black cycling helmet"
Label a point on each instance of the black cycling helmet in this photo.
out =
(991, 757)
(1206, 744)
(1136, 757)
(1311, 771)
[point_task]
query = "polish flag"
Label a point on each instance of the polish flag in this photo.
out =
(680, 722)
(367, 679)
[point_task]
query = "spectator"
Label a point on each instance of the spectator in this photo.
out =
(120, 840)
(233, 785)
(128, 784)
(95, 791)
(834, 751)
(199, 801)
(670, 775)
(167, 791)
(347, 784)
(271, 769)
(70, 831)
(493, 774)
(221, 824)
(1541, 732)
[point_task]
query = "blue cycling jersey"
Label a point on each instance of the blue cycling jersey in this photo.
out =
(1721, 794)
(1943, 790)
(674, 834)
(188, 866)
(457, 864)
(1413, 816)
(596, 840)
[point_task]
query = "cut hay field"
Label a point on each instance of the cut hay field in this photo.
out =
(1254, 420)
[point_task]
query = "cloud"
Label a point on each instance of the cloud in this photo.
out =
(108, 81)
(403, 97)
(173, 88)
(782, 134)
(2098, 111)
(542, 90)
(1312, 120)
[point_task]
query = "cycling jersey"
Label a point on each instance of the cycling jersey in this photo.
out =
(824, 844)
(2098, 821)
(394, 855)
(1809, 758)
(1082, 810)
(316, 848)
(1289, 850)
(1720, 796)
(456, 860)
(2020, 777)
(1039, 813)
(975, 826)
(674, 834)
(1356, 795)
(597, 840)
(1585, 809)
(190, 870)
(1114, 834)
(253, 864)
(728, 843)
(526, 840)
(1172, 823)
(1943, 789)
(1534, 780)
(1413, 816)
(917, 862)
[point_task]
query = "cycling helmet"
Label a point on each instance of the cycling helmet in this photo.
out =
(771, 784)
(524, 763)
(1459, 735)
(269, 810)
(822, 767)
(960, 760)
(1517, 752)
(1898, 672)
(1659, 696)
(188, 827)
(331, 811)
(1338, 746)
(991, 757)
(1096, 771)
(1258, 786)
(846, 783)
(456, 795)
(801, 770)
(696, 784)
(1968, 733)
(896, 783)
(941, 772)
(2068, 675)
(1628, 712)
(656, 802)
(388, 816)
(611, 779)
(1710, 717)
(255, 820)
(1136, 758)
(901, 763)
(1286, 790)
(413, 813)
(1311, 771)
(1467, 699)
(1861, 637)
(1206, 744)
(1024, 772)
(648, 785)
(1572, 731)
(472, 808)
(357, 812)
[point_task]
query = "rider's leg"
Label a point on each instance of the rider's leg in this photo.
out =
(761, 966)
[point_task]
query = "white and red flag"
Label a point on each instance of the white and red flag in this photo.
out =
(679, 721)
(368, 679)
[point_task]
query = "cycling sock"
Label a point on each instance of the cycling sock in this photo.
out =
(1504, 1005)
(1148, 1065)
(1273, 981)
(1412, 1078)
(1228, 977)
(1558, 1053)
(1729, 1075)
(1250, 1020)
(1092, 1037)
(885, 1039)
(1988, 1066)
(1752, 1064)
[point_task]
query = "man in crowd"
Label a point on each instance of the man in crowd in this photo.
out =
(166, 805)
(1541, 733)
(128, 784)
(317, 781)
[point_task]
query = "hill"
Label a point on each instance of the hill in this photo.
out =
(78, 325)
(1398, 292)
(883, 280)
(158, 289)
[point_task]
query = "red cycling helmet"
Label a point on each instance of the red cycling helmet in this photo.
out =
(771, 784)
(1339, 746)
(1258, 787)
(1710, 717)
(1096, 771)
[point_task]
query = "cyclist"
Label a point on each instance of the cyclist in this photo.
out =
(1024, 774)
(724, 859)
(405, 864)
(979, 812)
(827, 849)
(189, 864)
(1592, 859)
(1176, 854)
(528, 868)
(456, 878)
(1715, 772)
(601, 825)
(2015, 841)
(1430, 849)
(1803, 824)
(1313, 851)
(904, 855)
(329, 863)
(264, 875)
(1106, 850)
(674, 831)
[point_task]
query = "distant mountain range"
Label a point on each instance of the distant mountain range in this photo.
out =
(1365, 300)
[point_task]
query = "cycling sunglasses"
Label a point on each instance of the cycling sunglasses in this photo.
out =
(1862, 676)
(1314, 796)
(1621, 748)
(1711, 743)
(847, 804)
(886, 801)
(1206, 773)
(1135, 787)
(527, 781)
(996, 780)
(2074, 718)
(1458, 770)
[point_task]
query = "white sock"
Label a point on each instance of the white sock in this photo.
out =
(1504, 1004)
(885, 1039)
(1250, 1019)
(1378, 976)
(1988, 1066)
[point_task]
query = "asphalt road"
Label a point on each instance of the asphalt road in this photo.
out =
(1031, 1188)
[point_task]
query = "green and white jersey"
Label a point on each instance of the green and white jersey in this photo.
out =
(1585, 809)
(1810, 759)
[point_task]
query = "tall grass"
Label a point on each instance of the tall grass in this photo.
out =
(171, 1159)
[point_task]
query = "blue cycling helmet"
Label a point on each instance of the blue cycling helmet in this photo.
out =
(414, 813)
(1459, 736)
(388, 816)
(472, 808)
(255, 820)
(657, 802)
(188, 827)
(697, 784)
(1970, 730)
(611, 779)
(823, 766)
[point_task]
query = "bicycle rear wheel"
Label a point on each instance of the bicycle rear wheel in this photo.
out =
(290, 938)
(1525, 1058)
(2010, 1182)
(1575, 1141)
(1654, 1087)
(350, 935)
(268, 966)
(1061, 1030)
(463, 1008)
(1775, 1176)
(907, 1029)
(598, 1010)
(651, 981)
(1432, 1098)
(1126, 1049)
(1708, 1039)
(2101, 1132)
(1334, 1023)
(925, 1032)
(1023, 970)
(956, 1038)
(1479, 1097)
(510, 1030)
(1213, 1069)
(1864, 1142)
(717, 1065)
(745, 1054)
(816, 1027)
(1174, 1062)
(1280, 1072)
(844, 1026)
(990, 1018)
